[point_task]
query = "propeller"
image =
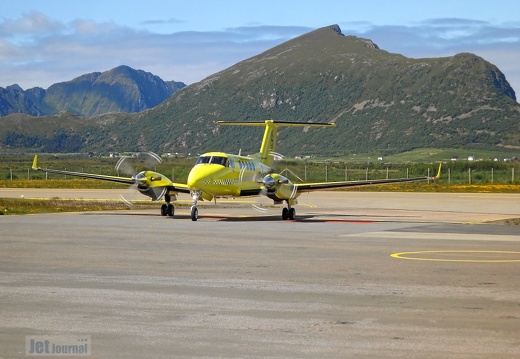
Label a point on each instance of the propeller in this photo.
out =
(129, 165)
(276, 186)
(279, 186)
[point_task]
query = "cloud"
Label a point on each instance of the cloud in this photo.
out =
(162, 22)
(83, 46)
(33, 23)
(35, 51)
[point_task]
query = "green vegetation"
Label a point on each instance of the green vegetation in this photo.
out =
(33, 206)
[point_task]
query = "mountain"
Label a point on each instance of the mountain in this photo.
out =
(13, 99)
(121, 89)
(381, 102)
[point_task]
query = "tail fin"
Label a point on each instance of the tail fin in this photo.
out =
(271, 133)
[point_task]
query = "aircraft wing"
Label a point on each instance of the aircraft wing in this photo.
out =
(173, 187)
(179, 187)
(309, 187)
(126, 180)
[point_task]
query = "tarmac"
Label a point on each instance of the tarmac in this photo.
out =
(364, 275)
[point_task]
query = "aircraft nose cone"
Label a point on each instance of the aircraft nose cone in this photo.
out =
(202, 175)
(195, 179)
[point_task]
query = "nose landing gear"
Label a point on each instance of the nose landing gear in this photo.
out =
(194, 211)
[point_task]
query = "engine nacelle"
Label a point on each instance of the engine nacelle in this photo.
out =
(152, 184)
(279, 188)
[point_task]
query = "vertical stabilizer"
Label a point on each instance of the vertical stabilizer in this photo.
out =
(268, 143)
(268, 146)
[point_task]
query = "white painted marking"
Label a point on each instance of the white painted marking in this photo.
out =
(437, 236)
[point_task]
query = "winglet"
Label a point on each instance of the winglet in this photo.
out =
(438, 175)
(35, 163)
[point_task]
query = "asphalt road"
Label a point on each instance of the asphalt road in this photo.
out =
(365, 275)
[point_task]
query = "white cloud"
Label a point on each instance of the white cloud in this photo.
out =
(32, 23)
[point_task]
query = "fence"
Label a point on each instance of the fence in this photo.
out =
(300, 171)
(450, 174)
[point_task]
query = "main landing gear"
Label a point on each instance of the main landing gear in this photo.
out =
(167, 209)
(288, 212)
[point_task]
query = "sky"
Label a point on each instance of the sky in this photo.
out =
(45, 42)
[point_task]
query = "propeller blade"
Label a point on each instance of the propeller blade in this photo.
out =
(258, 208)
(124, 166)
(127, 202)
(129, 164)
(287, 170)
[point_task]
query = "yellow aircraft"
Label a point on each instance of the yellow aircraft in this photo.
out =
(219, 174)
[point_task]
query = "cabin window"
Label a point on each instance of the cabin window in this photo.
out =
(217, 160)
(203, 159)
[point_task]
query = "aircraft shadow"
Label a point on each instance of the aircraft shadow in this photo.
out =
(311, 218)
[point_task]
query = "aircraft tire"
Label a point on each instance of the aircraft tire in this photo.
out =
(170, 210)
(285, 213)
(291, 213)
(164, 210)
(194, 213)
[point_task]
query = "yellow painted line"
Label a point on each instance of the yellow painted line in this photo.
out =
(410, 256)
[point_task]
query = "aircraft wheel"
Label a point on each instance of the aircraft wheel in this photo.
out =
(170, 210)
(164, 210)
(291, 213)
(194, 213)
(285, 213)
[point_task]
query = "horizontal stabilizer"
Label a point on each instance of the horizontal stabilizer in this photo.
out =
(276, 123)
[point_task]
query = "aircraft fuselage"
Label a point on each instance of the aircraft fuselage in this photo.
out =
(218, 174)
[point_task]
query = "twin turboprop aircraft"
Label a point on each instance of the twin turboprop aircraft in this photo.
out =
(218, 174)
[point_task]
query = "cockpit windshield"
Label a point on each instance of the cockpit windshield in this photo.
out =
(217, 160)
